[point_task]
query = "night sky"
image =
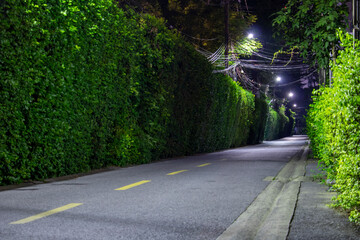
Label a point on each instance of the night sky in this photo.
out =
(264, 33)
(263, 9)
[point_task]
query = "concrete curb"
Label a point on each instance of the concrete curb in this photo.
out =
(270, 214)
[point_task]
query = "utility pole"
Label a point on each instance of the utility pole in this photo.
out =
(356, 19)
(227, 33)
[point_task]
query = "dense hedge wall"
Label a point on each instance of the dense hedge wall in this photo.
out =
(69, 84)
(84, 85)
(257, 129)
(334, 127)
(280, 123)
(208, 111)
(290, 125)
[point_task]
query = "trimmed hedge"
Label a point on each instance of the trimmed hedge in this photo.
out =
(86, 85)
(279, 123)
(334, 127)
(290, 125)
(257, 129)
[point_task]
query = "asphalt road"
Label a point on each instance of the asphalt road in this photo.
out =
(196, 197)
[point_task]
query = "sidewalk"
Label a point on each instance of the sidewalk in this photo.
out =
(294, 207)
(313, 219)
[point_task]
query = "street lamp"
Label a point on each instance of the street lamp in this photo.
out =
(295, 105)
(291, 94)
(278, 79)
(250, 36)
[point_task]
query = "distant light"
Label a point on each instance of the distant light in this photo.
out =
(278, 79)
(291, 94)
(250, 36)
(295, 105)
(242, 71)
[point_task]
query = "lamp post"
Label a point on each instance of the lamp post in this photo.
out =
(277, 79)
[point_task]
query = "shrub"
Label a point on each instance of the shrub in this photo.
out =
(278, 124)
(334, 127)
(85, 85)
(257, 130)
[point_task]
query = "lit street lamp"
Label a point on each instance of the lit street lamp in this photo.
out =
(250, 36)
(291, 94)
(278, 79)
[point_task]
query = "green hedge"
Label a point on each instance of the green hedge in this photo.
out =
(80, 87)
(279, 123)
(290, 125)
(86, 85)
(334, 127)
(257, 130)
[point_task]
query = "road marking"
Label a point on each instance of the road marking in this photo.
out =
(133, 185)
(203, 165)
(48, 213)
(173, 173)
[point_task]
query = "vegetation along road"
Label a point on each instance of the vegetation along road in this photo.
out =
(196, 197)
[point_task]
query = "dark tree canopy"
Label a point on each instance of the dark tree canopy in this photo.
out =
(201, 21)
(311, 26)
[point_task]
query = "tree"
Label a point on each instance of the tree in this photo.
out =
(200, 21)
(311, 25)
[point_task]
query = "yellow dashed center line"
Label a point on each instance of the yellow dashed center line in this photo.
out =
(173, 173)
(48, 213)
(133, 185)
(203, 165)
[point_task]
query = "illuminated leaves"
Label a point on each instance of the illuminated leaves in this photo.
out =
(312, 25)
(85, 85)
(334, 127)
(246, 47)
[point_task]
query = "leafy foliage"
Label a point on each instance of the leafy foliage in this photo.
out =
(334, 127)
(257, 129)
(289, 125)
(311, 26)
(280, 123)
(246, 47)
(201, 22)
(86, 85)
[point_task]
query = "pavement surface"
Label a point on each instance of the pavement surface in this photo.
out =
(313, 218)
(256, 192)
